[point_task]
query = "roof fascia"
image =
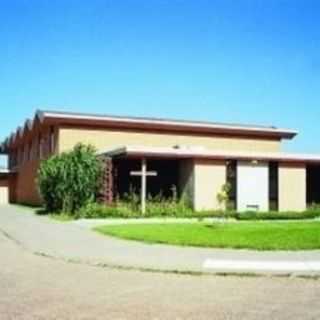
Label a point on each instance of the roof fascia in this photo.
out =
(171, 125)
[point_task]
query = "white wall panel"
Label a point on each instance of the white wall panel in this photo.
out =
(252, 186)
(4, 195)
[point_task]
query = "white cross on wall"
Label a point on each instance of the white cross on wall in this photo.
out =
(143, 174)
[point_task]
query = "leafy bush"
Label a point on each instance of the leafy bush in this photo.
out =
(275, 215)
(223, 196)
(154, 208)
(158, 206)
(69, 181)
(166, 208)
(101, 211)
(314, 207)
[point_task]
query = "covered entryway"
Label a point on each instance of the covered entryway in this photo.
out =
(313, 184)
(139, 177)
(162, 184)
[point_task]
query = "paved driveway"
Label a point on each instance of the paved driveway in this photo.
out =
(35, 287)
(69, 241)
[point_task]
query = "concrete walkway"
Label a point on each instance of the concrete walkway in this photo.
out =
(92, 223)
(73, 242)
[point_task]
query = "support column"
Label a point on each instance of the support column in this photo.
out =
(209, 178)
(292, 187)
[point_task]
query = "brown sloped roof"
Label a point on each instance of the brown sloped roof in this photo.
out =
(144, 123)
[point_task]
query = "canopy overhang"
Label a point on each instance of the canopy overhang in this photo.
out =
(202, 153)
(5, 173)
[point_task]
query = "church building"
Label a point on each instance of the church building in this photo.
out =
(196, 160)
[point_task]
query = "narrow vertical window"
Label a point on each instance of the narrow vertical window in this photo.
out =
(232, 183)
(30, 151)
(40, 147)
(13, 159)
(273, 186)
(25, 153)
(22, 155)
(18, 157)
(52, 140)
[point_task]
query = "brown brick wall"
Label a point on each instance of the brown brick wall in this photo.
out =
(4, 182)
(23, 185)
(26, 190)
(12, 188)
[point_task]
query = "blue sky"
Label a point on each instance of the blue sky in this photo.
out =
(254, 61)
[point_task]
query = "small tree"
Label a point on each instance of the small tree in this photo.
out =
(224, 195)
(71, 180)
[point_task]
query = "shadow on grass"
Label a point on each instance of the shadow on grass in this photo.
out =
(61, 217)
(213, 226)
(42, 212)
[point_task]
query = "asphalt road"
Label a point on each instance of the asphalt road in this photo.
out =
(36, 287)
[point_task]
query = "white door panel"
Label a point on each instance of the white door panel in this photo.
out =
(252, 186)
(4, 195)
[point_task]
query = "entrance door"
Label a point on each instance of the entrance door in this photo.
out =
(313, 184)
(253, 186)
(4, 195)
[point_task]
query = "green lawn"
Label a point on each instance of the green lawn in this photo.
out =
(249, 235)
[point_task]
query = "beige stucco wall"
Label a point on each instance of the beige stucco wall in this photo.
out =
(107, 139)
(292, 187)
(209, 177)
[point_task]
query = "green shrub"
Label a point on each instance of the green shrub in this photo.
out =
(167, 208)
(49, 183)
(226, 214)
(101, 211)
(95, 211)
(69, 181)
(154, 208)
(275, 215)
(314, 207)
